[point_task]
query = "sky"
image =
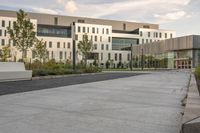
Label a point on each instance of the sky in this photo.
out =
(180, 15)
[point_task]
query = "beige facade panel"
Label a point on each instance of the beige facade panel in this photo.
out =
(67, 21)
(174, 44)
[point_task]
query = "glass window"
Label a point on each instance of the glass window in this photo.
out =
(128, 57)
(102, 46)
(115, 56)
(68, 45)
(9, 24)
(141, 34)
(58, 44)
(2, 42)
(79, 29)
(56, 21)
(107, 31)
(0, 32)
(97, 30)
(88, 30)
(5, 32)
(50, 44)
(101, 56)
(120, 57)
(61, 55)
(109, 39)
(52, 55)
(149, 34)
(107, 46)
(54, 31)
(100, 38)
(121, 43)
(124, 26)
(93, 30)
(65, 55)
(109, 56)
(95, 46)
(83, 29)
(3, 23)
(165, 35)
(160, 35)
(95, 38)
(171, 36)
(64, 45)
(103, 31)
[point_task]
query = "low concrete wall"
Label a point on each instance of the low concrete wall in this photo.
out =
(191, 117)
(13, 71)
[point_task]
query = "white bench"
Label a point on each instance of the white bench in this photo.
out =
(14, 71)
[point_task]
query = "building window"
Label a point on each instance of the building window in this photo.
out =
(141, 34)
(100, 38)
(68, 45)
(150, 40)
(102, 46)
(107, 47)
(109, 39)
(95, 38)
(109, 56)
(97, 30)
(9, 24)
(3, 23)
(50, 44)
(56, 21)
(65, 55)
(2, 42)
(64, 45)
(116, 57)
(47, 54)
(160, 35)
(103, 31)
(61, 55)
(142, 41)
(52, 55)
(83, 29)
(156, 34)
(9, 42)
(81, 21)
(101, 56)
(171, 36)
(88, 30)
(107, 31)
(120, 57)
(128, 57)
(149, 34)
(147, 40)
(45, 44)
(124, 26)
(165, 35)
(5, 32)
(93, 30)
(58, 44)
(79, 29)
(0, 32)
(95, 46)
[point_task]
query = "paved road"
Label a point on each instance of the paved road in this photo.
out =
(24, 86)
(149, 103)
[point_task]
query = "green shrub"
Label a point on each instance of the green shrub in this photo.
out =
(197, 72)
(40, 72)
(92, 70)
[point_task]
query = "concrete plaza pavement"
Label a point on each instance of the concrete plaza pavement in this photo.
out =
(149, 103)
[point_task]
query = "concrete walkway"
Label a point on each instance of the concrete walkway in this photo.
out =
(148, 103)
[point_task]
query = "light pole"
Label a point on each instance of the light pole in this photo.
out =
(131, 63)
(74, 47)
(142, 60)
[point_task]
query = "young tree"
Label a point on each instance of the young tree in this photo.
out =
(40, 50)
(85, 46)
(22, 33)
(5, 53)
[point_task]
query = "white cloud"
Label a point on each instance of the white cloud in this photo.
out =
(44, 10)
(71, 6)
(169, 17)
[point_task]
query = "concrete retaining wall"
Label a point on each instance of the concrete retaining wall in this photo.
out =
(191, 117)
(13, 71)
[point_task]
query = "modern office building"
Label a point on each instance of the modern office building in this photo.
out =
(179, 53)
(110, 38)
